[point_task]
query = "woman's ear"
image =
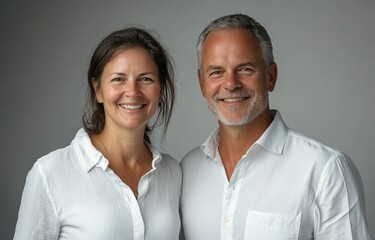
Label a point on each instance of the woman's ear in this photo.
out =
(98, 92)
(161, 94)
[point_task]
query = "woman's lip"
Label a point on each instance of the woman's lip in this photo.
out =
(132, 106)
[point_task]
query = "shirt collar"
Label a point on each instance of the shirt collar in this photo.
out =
(273, 139)
(210, 145)
(156, 155)
(91, 157)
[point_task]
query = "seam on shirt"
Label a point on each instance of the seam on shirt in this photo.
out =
(339, 163)
(335, 159)
(77, 151)
(323, 176)
(322, 179)
(44, 179)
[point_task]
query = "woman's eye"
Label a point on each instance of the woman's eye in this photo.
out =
(116, 80)
(145, 80)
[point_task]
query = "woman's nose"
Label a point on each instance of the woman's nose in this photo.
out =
(132, 89)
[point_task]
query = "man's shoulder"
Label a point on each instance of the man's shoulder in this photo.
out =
(310, 146)
(192, 157)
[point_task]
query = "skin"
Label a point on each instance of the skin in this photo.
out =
(235, 82)
(130, 92)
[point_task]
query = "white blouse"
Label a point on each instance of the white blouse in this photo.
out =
(71, 193)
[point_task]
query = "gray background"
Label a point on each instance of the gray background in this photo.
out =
(324, 50)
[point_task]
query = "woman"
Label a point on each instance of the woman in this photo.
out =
(111, 183)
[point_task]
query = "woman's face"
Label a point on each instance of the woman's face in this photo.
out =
(129, 90)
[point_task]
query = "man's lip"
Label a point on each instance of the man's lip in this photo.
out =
(232, 99)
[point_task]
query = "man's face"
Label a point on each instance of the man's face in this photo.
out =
(234, 78)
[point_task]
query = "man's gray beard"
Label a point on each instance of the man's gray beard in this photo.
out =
(259, 104)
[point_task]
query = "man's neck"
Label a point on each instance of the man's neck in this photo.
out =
(235, 141)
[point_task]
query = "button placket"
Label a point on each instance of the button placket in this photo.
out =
(231, 193)
(138, 224)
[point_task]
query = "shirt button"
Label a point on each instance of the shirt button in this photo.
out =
(226, 220)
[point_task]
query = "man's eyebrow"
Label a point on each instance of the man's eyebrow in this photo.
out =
(213, 67)
(246, 64)
(217, 67)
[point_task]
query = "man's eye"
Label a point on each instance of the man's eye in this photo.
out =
(214, 73)
(246, 69)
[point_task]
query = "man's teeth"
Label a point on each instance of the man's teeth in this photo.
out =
(233, 99)
(126, 106)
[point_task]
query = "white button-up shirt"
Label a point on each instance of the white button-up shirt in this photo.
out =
(286, 186)
(71, 193)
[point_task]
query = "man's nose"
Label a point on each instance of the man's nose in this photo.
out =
(231, 81)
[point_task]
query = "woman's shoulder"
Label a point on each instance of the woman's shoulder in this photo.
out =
(161, 157)
(169, 162)
(168, 159)
(66, 157)
(55, 161)
(53, 157)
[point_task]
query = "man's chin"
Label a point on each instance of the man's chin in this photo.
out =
(234, 123)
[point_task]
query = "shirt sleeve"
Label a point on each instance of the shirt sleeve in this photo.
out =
(37, 217)
(340, 207)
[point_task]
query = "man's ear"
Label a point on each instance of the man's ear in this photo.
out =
(98, 92)
(272, 77)
(201, 79)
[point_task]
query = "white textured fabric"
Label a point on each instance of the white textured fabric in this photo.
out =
(286, 186)
(72, 194)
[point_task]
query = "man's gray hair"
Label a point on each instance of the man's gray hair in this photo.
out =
(238, 21)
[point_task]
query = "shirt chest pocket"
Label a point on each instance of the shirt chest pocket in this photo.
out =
(269, 226)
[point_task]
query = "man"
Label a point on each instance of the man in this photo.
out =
(254, 178)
